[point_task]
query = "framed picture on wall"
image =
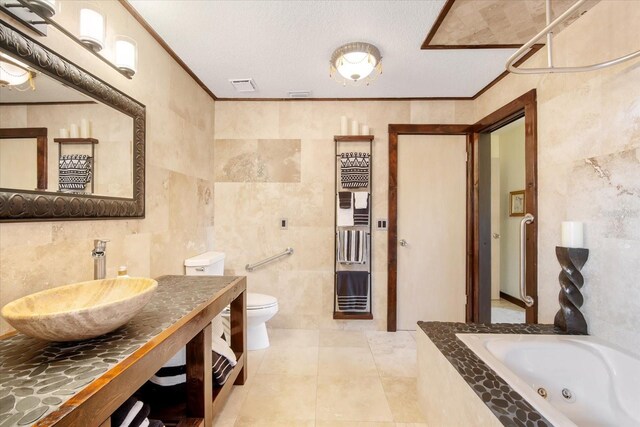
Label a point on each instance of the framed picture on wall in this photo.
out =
(516, 203)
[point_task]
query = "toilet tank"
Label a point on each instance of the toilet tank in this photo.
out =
(206, 264)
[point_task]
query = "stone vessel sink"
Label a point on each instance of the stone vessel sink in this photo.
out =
(80, 311)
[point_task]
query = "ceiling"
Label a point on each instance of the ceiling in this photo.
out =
(500, 22)
(286, 45)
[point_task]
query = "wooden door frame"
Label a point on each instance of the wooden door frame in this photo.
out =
(524, 104)
(40, 135)
(396, 130)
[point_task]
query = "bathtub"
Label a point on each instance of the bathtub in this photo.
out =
(571, 380)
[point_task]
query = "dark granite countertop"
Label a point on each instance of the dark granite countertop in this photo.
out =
(37, 377)
(507, 405)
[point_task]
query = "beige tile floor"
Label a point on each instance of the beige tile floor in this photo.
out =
(328, 378)
(503, 311)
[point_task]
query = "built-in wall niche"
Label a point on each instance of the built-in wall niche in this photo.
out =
(82, 139)
(85, 22)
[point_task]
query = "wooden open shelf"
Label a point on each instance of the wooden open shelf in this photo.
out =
(353, 138)
(344, 315)
(175, 414)
(75, 140)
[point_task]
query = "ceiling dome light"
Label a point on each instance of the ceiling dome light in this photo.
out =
(355, 62)
(14, 75)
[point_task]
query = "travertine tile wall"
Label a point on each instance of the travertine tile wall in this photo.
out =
(589, 165)
(253, 190)
(589, 144)
(589, 170)
(180, 115)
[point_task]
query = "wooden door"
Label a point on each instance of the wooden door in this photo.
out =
(431, 229)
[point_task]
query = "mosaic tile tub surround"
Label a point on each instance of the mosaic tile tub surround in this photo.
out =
(37, 377)
(507, 405)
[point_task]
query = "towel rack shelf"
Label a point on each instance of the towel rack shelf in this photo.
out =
(75, 140)
(81, 141)
(352, 247)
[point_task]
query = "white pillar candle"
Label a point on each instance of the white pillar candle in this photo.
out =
(572, 234)
(74, 132)
(365, 130)
(344, 125)
(354, 127)
(64, 133)
(85, 128)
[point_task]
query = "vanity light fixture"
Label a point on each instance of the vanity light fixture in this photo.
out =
(126, 55)
(14, 75)
(355, 62)
(92, 29)
(44, 8)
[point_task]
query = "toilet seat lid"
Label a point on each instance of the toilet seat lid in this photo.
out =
(257, 301)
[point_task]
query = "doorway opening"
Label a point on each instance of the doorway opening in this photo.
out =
(511, 257)
(507, 208)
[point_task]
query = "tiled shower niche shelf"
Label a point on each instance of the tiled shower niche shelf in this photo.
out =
(345, 144)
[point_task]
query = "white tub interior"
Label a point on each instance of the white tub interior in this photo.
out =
(601, 383)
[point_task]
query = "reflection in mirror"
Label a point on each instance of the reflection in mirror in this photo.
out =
(90, 144)
(98, 131)
(23, 158)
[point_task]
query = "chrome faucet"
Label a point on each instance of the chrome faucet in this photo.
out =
(99, 259)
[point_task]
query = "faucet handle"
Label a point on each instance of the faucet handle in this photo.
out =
(100, 245)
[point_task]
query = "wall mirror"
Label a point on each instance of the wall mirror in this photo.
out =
(71, 146)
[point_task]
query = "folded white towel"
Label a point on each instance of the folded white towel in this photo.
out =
(179, 359)
(362, 199)
(169, 381)
(345, 216)
(145, 423)
(218, 344)
(132, 414)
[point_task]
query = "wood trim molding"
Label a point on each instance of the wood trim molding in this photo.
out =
(165, 46)
(426, 98)
(513, 300)
(15, 104)
(506, 113)
(392, 233)
(471, 46)
(534, 49)
(436, 25)
(525, 105)
(40, 134)
(41, 206)
(425, 46)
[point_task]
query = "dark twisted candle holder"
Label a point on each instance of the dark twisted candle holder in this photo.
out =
(569, 319)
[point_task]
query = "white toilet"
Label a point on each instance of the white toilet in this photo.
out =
(260, 307)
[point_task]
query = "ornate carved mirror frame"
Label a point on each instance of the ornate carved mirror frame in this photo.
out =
(27, 205)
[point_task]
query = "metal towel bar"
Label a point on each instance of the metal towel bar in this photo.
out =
(528, 301)
(251, 267)
(548, 32)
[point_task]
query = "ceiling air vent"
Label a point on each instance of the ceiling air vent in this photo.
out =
(299, 94)
(243, 85)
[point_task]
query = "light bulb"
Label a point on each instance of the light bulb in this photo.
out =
(92, 29)
(126, 55)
